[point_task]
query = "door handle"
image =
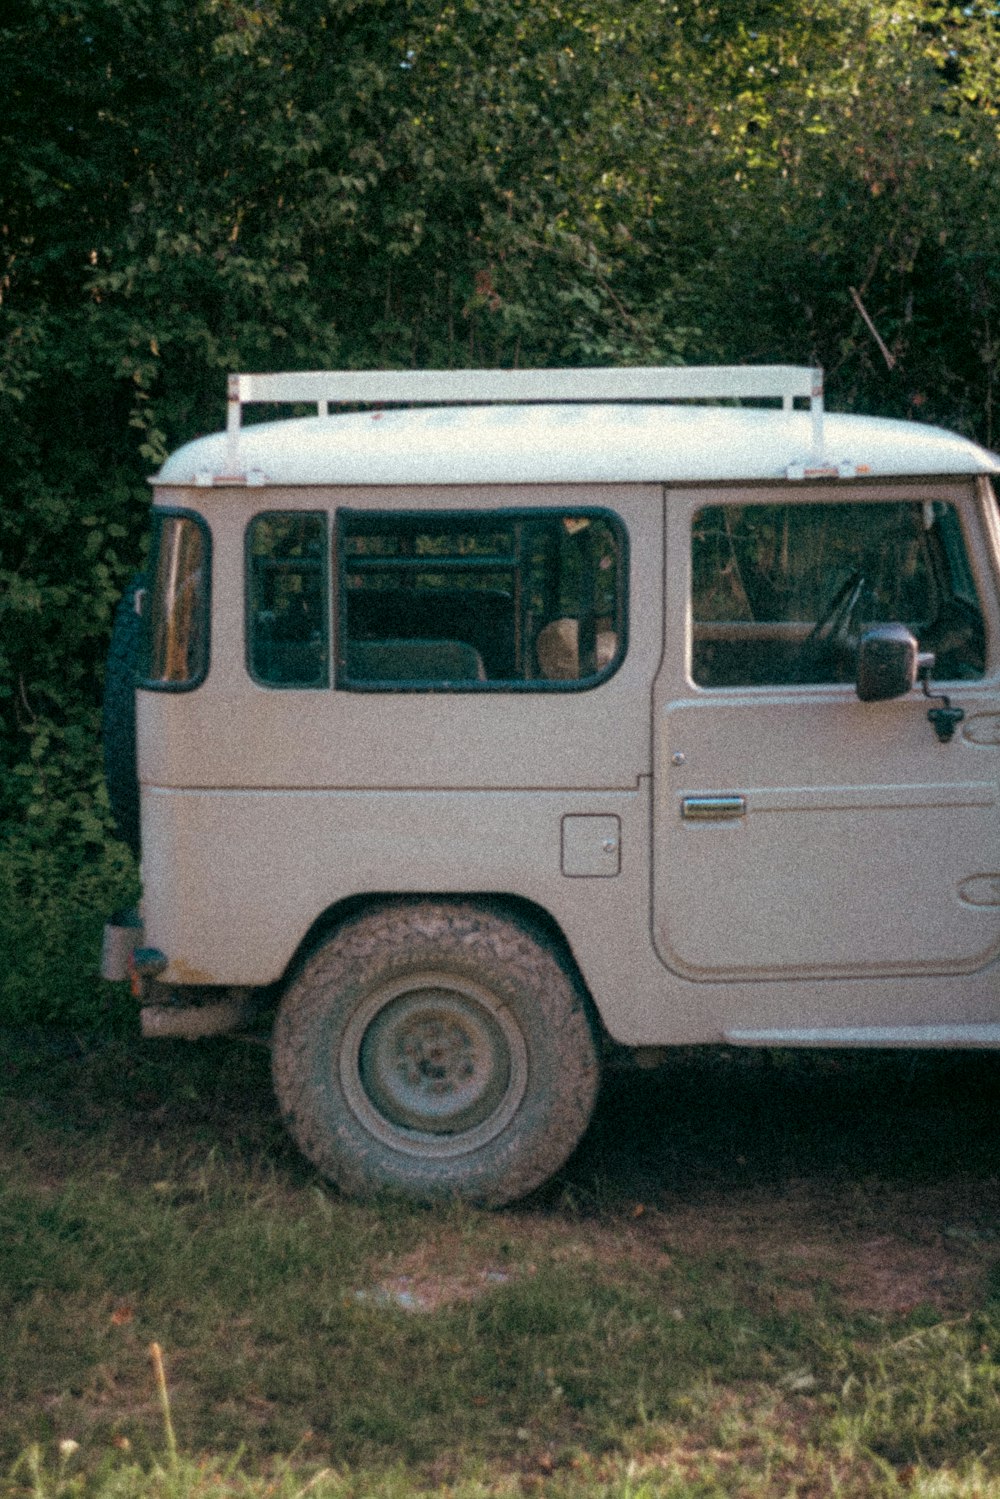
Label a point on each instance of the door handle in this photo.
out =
(705, 808)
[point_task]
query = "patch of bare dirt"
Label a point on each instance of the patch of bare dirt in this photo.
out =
(806, 1245)
(803, 1247)
(427, 1290)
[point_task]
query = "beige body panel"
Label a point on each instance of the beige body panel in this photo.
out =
(239, 877)
(857, 847)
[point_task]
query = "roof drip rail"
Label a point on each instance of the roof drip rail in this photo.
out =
(649, 383)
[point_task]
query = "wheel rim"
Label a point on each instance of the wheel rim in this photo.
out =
(434, 1065)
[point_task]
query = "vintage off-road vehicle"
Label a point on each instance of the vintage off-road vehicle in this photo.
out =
(522, 716)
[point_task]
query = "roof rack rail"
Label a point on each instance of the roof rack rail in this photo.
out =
(652, 383)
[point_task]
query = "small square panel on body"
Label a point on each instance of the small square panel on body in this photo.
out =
(591, 845)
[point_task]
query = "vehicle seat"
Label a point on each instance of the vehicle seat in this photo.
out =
(414, 661)
(557, 647)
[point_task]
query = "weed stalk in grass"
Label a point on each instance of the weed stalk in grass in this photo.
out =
(156, 1354)
(33, 1462)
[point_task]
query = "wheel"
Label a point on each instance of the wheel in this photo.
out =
(118, 718)
(435, 1050)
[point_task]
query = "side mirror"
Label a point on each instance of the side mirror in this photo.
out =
(889, 660)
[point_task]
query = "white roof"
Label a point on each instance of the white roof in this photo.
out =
(559, 427)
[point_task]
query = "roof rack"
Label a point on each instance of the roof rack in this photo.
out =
(651, 383)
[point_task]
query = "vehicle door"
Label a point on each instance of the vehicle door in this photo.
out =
(800, 833)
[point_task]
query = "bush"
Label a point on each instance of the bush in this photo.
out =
(56, 890)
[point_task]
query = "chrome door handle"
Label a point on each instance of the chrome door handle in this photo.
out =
(713, 807)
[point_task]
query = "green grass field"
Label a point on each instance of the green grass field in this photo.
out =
(760, 1275)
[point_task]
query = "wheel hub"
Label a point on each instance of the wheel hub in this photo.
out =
(434, 1064)
(435, 1060)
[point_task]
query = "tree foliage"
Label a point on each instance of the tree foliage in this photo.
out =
(195, 186)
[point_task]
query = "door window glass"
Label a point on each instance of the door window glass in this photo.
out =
(782, 593)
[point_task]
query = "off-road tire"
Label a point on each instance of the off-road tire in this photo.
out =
(121, 774)
(427, 1004)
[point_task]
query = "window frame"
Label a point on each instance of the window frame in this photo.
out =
(190, 684)
(616, 524)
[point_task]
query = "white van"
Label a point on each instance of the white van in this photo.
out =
(508, 713)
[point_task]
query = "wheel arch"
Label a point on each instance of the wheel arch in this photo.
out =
(534, 918)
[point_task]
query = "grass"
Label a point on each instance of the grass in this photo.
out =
(759, 1276)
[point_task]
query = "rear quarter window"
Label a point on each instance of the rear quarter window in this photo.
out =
(174, 640)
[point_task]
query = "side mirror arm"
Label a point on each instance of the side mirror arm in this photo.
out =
(945, 719)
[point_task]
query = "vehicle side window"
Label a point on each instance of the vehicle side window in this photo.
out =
(782, 593)
(472, 602)
(174, 639)
(287, 614)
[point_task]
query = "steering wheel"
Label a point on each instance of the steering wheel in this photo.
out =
(828, 649)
